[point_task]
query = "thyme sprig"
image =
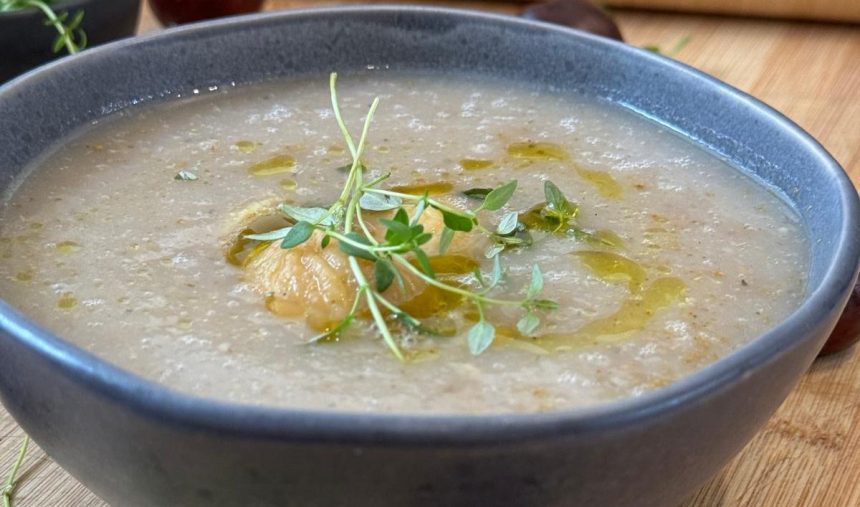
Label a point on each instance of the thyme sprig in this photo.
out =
(401, 251)
(8, 488)
(69, 32)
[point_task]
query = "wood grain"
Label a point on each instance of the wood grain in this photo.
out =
(833, 10)
(809, 452)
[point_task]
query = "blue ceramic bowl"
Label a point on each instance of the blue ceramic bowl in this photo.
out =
(135, 443)
(25, 40)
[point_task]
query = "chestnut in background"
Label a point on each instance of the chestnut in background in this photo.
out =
(174, 12)
(580, 14)
(847, 330)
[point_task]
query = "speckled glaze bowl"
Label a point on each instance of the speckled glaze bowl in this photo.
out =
(25, 40)
(139, 444)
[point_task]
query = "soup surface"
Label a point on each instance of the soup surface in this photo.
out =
(127, 241)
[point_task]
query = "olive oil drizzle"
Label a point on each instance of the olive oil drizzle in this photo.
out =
(434, 188)
(472, 164)
(537, 151)
(277, 164)
(636, 310)
(613, 267)
(246, 146)
(605, 184)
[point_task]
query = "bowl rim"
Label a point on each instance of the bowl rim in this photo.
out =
(273, 422)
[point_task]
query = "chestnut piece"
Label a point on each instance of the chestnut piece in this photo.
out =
(174, 12)
(579, 14)
(847, 330)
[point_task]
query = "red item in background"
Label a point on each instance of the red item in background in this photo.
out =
(847, 330)
(174, 12)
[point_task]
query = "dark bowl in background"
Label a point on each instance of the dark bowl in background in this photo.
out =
(25, 41)
(136, 443)
(177, 12)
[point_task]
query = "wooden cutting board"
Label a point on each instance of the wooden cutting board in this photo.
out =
(809, 452)
(833, 10)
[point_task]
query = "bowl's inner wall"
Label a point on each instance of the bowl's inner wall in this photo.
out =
(41, 109)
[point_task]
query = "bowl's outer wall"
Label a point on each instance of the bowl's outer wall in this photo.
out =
(139, 459)
(25, 40)
(136, 446)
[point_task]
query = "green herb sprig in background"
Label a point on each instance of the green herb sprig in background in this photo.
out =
(69, 32)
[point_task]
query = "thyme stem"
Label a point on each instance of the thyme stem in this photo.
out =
(9, 487)
(361, 246)
(332, 81)
(436, 204)
(374, 309)
(355, 170)
(364, 228)
(450, 288)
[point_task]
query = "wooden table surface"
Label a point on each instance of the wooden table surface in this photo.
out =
(809, 452)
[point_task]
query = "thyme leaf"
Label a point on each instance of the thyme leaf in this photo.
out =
(297, 234)
(457, 222)
(445, 240)
(497, 274)
(508, 224)
(383, 274)
(319, 216)
(528, 324)
(424, 261)
(185, 176)
(557, 202)
(270, 236)
(499, 197)
(376, 202)
(536, 284)
(481, 336)
(494, 250)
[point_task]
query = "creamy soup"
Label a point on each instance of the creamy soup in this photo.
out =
(131, 241)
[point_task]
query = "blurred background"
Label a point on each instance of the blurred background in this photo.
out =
(173, 11)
